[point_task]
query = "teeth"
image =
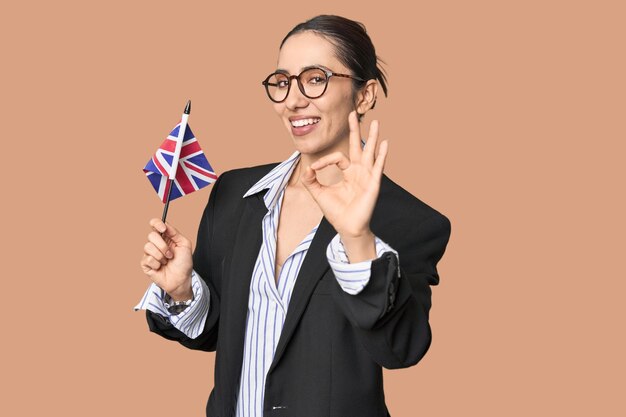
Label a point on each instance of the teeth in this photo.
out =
(304, 122)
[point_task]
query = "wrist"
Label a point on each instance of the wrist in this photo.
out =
(182, 293)
(355, 235)
(359, 248)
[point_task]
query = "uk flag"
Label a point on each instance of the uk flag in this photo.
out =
(193, 172)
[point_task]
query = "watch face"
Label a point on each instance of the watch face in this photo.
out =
(177, 309)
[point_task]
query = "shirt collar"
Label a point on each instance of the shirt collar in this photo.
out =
(275, 180)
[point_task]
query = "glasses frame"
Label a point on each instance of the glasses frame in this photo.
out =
(329, 74)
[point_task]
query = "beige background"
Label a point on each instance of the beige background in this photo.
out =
(508, 117)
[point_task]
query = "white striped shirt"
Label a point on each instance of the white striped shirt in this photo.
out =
(268, 302)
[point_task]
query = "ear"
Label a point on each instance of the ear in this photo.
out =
(366, 97)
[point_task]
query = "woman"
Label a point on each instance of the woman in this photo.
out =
(310, 275)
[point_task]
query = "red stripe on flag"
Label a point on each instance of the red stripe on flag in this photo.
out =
(159, 166)
(168, 145)
(183, 181)
(167, 188)
(189, 149)
(201, 171)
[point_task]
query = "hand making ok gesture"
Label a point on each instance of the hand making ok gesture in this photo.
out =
(348, 205)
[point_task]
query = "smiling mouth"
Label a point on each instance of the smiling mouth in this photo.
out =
(304, 122)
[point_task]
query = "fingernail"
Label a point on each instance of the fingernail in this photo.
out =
(169, 254)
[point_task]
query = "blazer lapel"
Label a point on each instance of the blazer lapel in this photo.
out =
(313, 268)
(248, 238)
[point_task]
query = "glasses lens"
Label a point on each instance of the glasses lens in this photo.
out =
(277, 86)
(314, 81)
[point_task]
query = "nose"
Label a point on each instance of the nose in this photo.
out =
(295, 99)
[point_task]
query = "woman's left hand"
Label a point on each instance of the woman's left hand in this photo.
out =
(348, 205)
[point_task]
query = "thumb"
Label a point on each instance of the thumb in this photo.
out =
(167, 231)
(174, 235)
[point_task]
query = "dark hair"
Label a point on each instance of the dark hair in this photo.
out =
(353, 46)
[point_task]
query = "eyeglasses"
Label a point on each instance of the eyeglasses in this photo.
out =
(312, 82)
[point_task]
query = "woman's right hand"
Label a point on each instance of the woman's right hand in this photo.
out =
(167, 260)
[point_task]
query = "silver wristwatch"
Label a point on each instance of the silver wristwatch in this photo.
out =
(175, 307)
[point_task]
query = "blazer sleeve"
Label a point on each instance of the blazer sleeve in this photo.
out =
(204, 265)
(390, 315)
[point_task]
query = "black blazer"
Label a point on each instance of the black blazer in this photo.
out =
(332, 347)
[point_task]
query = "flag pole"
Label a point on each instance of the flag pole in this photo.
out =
(179, 144)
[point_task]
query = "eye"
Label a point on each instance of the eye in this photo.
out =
(314, 77)
(279, 81)
(317, 80)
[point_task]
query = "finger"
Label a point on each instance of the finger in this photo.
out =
(149, 264)
(150, 249)
(379, 165)
(157, 225)
(370, 145)
(309, 180)
(335, 158)
(355, 137)
(158, 242)
(169, 231)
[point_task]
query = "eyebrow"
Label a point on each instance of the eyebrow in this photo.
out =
(284, 71)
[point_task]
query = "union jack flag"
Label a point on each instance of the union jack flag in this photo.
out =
(193, 172)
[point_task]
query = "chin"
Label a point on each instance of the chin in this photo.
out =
(307, 146)
(303, 146)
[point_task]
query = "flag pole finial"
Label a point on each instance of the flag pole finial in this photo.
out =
(188, 107)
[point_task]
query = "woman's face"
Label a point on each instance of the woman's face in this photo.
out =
(329, 113)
